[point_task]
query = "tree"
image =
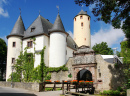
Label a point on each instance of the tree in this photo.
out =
(102, 48)
(111, 11)
(125, 52)
(3, 55)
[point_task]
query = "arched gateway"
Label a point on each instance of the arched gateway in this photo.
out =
(85, 75)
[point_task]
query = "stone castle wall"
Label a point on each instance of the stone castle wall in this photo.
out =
(108, 76)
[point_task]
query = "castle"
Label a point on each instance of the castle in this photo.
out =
(61, 49)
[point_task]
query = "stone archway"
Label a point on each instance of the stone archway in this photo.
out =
(85, 75)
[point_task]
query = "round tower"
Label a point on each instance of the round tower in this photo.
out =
(14, 45)
(82, 29)
(57, 56)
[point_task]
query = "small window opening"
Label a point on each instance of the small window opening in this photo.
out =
(13, 60)
(81, 17)
(88, 18)
(82, 24)
(14, 44)
(99, 75)
(32, 29)
(85, 39)
(75, 19)
(29, 43)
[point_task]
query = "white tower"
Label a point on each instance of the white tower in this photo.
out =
(14, 44)
(58, 44)
(82, 29)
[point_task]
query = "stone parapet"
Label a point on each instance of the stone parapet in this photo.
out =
(29, 86)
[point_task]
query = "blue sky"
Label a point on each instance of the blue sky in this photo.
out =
(9, 12)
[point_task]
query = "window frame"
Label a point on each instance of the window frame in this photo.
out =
(30, 44)
(13, 60)
(81, 17)
(82, 24)
(14, 44)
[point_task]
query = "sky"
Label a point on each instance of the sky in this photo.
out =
(30, 9)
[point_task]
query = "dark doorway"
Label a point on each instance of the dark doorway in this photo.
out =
(84, 75)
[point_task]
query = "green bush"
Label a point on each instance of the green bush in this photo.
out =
(116, 92)
(105, 92)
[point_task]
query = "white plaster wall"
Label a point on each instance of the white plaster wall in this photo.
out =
(57, 55)
(12, 52)
(40, 41)
(46, 54)
(69, 53)
(82, 33)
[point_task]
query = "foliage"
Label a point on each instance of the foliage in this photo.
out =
(70, 75)
(125, 52)
(118, 53)
(3, 55)
(111, 11)
(54, 69)
(102, 48)
(15, 76)
(110, 92)
(42, 66)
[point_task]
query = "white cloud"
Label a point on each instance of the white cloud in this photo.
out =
(111, 36)
(70, 33)
(5, 39)
(3, 12)
(91, 7)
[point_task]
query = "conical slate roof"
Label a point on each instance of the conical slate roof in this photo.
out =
(18, 28)
(82, 13)
(58, 25)
(40, 25)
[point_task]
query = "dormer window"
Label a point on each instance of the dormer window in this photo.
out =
(32, 29)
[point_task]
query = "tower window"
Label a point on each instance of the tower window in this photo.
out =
(14, 44)
(88, 18)
(82, 24)
(13, 60)
(32, 29)
(30, 44)
(84, 38)
(81, 17)
(99, 75)
(75, 19)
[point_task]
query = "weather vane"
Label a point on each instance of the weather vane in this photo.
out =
(57, 8)
(39, 12)
(20, 10)
(82, 6)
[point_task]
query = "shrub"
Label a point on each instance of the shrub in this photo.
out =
(116, 92)
(105, 92)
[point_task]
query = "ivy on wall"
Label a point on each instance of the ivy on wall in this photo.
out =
(25, 66)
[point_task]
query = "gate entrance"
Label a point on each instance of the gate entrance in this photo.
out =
(85, 75)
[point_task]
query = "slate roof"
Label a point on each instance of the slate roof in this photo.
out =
(18, 28)
(82, 13)
(71, 43)
(58, 25)
(40, 25)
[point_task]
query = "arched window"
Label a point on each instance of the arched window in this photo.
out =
(75, 19)
(81, 17)
(88, 18)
